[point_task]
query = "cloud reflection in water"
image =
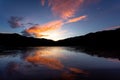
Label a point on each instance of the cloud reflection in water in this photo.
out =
(42, 63)
(50, 58)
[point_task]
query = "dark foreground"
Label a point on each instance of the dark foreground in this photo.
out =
(58, 63)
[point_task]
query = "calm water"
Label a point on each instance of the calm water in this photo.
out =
(56, 63)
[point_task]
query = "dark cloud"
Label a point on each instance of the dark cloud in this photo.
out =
(15, 21)
(32, 24)
(25, 33)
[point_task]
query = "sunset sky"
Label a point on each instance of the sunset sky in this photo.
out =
(58, 19)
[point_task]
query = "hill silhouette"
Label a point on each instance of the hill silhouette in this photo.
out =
(102, 39)
(18, 40)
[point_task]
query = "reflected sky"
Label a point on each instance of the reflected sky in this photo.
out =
(55, 63)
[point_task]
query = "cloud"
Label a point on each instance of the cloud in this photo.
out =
(24, 33)
(43, 2)
(112, 28)
(50, 30)
(34, 34)
(41, 30)
(76, 19)
(67, 8)
(64, 8)
(15, 21)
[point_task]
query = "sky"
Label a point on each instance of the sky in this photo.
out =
(58, 19)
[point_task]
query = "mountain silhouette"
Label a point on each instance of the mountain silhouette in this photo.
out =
(103, 39)
(18, 40)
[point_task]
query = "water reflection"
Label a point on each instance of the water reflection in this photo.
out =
(106, 53)
(46, 58)
(49, 57)
(39, 61)
(55, 63)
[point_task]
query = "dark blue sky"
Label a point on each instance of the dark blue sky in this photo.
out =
(100, 15)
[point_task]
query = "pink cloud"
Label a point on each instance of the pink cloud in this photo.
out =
(112, 28)
(77, 19)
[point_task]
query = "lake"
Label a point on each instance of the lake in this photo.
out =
(57, 63)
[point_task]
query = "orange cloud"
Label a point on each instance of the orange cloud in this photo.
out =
(65, 8)
(50, 30)
(39, 30)
(76, 19)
